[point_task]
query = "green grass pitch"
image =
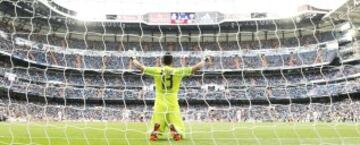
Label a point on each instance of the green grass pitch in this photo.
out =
(198, 133)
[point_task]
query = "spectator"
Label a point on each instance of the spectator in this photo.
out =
(78, 61)
(319, 56)
(292, 59)
(184, 61)
(264, 61)
(237, 62)
(157, 62)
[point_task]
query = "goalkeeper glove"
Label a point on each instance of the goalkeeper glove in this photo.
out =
(133, 58)
(207, 59)
(132, 54)
(206, 56)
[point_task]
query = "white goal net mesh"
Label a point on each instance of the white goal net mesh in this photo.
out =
(275, 81)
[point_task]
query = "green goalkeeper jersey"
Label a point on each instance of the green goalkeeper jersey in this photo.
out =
(167, 82)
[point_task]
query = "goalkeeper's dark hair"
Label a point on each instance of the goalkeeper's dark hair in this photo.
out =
(167, 59)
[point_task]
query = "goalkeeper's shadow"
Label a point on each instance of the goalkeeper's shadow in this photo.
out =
(166, 140)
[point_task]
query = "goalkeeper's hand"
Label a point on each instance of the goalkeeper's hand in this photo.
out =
(207, 57)
(132, 54)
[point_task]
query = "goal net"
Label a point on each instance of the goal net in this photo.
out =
(291, 80)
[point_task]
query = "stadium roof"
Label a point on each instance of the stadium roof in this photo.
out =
(61, 16)
(282, 8)
(349, 11)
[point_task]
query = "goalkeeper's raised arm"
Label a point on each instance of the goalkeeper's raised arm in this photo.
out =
(137, 64)
(200, 65)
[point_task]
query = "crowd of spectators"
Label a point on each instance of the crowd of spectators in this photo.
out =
(174, 46)
(347, 110)
(258, 42)
(271, 59)
(203, 92)
(49, 50)
(78, 79)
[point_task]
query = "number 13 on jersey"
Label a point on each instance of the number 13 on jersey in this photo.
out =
(167, 82)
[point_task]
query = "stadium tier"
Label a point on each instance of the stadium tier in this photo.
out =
(280, 58)
(346, 110)
(74, 85)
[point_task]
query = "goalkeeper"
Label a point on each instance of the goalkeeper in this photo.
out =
(167, 80)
